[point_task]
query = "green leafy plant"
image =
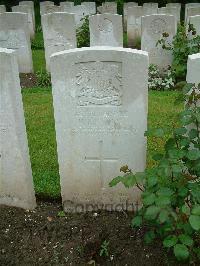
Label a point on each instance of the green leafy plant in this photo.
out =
(185, 42)
(171, 189)
(43, 79)
(83, 34)
(61, 214)
(160, 81)
(104, 248)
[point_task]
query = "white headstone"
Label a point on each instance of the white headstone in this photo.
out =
(27, 10)
(134, 25)
(100, 100)
(14, 34)
(151, 5)
(170, 11)
(109, 7)
(126, 6)
(59, 31)
(193, 69)
(31, 5)
(16, 183)
(90, 7)
(80, 12)
(192, 11)
(48, 9)
(153, 28)
(106, 30)
(190, 5)
(43, 6)
(2, 9)
(177, 5)
(195, 21)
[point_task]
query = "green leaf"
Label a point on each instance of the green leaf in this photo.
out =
(162, 200)
(157, 156)
(170, 241)
(195, 222)
(196, 210)
(115, 181)
(129, 181)
(181, 252)
(185, 209)
(152, 180)
(165, 191)
(149, 199)
(193, 155)
(136, 221)
(180, 131)
(193, 133)
(149, 237)
(186, 240)
(152, 212)
(163, 216)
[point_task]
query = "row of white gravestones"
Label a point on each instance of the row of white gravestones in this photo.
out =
(26, 10)
(15, 34)
(31, 5)
(59, 32)
(135, 13)
(80, 11)
(16, 183)
(100, 97)
(193, 69)
(153, 28)
(105, 30)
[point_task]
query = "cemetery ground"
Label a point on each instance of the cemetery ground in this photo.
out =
(47, 235)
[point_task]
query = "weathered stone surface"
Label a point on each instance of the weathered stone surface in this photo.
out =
(31, 5)
(2, 9)
(80, 11)
(134, 25)
(192, 11)
(106, 30)
(59, 31)
(109, 7)
(190, 5)
(47, 9)
(16, 183)
(195, 21)
(152, 29)
(126, 6)
(27, 10)
(100, 99)
(177, 5)
(90, 7)
(193, 69)
(14, 34)
(170, 11)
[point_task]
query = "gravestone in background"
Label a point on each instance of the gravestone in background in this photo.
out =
(126, 6)
(59, 31)
(109, 7)
(193, 69)
(16, 184)
(2, 9)
(153, 28)
(195, 21)
(43, 6)
(134, 25)
(100, 97)
(174, 11)
(26, 10)
(190, 5)
(31, 5)
(47, 9)
(90, 7)
(15, 34)
(106, 30)
(150, 8)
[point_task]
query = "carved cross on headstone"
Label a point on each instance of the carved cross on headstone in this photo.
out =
(101, 159)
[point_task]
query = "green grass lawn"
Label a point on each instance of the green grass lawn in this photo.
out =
(41, 133)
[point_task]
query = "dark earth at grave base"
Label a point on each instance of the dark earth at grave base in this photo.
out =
(28, 80)
(41, 237)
